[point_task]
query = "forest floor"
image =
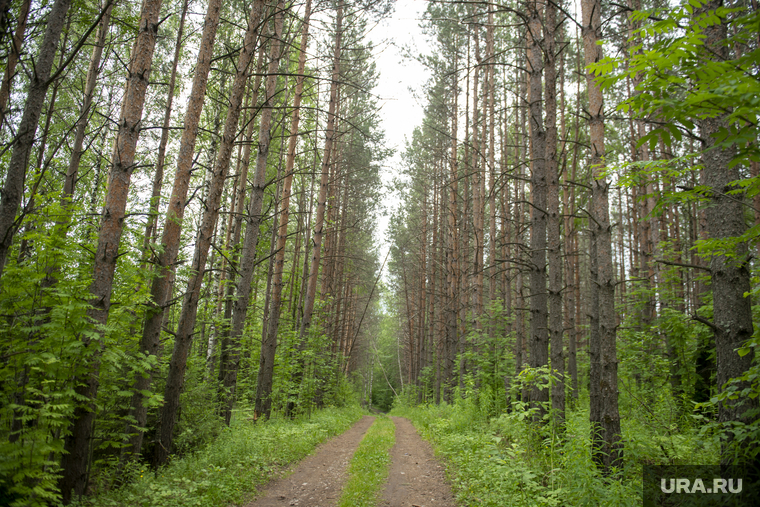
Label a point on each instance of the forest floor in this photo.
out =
(416, 478)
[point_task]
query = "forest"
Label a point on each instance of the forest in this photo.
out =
(197, 286)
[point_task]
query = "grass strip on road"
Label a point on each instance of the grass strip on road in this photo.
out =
(369, 467)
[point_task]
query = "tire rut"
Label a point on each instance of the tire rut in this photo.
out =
(317, 480)
(416, 478)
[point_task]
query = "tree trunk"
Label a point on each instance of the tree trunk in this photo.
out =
(255, 218)
(477, 195)
(730, 276)
(24, 139)
(170, 239)
(158, 176)
(539, 335)
(75, 461)
(188, 314)
(264, 406)
(605, 422)
(452, 264)
(92, 76)
(13, 56)
(234, 244)
(554, 220)
(493, 277)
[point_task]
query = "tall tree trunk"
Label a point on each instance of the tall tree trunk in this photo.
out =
(75, 461)
(24, 139)
(554, 219)
(248, 255)
(521, 358)
(158, 176)
(188, 314)
(477, 196)
(539, 335)
(730, 277)
(170, 239)
(319, 222)
(234, 245)
(493, 276)
(92, 76)
(452, 267)
(605, 421)
(282, 229)
(572, 261)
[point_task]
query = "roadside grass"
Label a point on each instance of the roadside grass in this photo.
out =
(226, 472)
(368, 470)
(510, 460)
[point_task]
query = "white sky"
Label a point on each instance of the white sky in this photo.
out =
(400, 80)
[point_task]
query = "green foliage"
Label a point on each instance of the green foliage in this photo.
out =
(369, 466)
(680, 84)
(510, 460)
(229, 469)
(49, 341)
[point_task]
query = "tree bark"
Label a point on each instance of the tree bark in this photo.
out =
(158, 176)
(452, 264)
(188, 314)
(730, 276)
(164, 268)
(92, 76)
(24, 139)
(13, 56)
(75, 461)
(605, 422)
(539, 332)
(319, 222)
(248, 255)
(554, 219)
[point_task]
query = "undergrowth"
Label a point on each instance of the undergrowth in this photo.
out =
(369, 466)
(508, 459)
(227, 471)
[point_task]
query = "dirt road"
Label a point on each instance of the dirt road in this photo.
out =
(416, 479)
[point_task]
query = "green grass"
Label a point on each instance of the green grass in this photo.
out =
(509, 460)
(229, 469)
(369, 466)
(505, 461)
